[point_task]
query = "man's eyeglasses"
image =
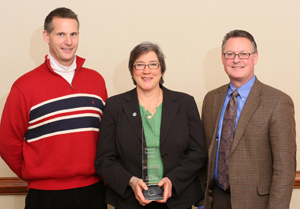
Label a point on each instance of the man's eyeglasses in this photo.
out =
(141, 66)
(243, 55)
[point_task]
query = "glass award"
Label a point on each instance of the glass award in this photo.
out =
(152, 168)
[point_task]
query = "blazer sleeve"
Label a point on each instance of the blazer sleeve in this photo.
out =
(282, 135)
(194, 156)
(106, 163)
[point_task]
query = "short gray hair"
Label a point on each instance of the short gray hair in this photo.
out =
(241, 34)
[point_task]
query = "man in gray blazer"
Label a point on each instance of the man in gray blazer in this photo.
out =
(261, 160)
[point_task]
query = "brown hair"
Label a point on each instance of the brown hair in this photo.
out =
(143, 48)
(61, 12)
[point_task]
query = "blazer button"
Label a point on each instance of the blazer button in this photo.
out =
(165, 155)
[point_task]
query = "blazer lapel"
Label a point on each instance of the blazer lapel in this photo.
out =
(249, 109)
(216, 111)
(132, 111)
(169, 112)
(218, 105)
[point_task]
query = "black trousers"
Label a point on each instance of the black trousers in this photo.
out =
(221, 199)
(155, 205)
(89, 197)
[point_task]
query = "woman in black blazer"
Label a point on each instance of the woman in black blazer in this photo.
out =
(181, 141)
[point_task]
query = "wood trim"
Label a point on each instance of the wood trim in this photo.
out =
(16, 186)
(297, 180)
(12, 186)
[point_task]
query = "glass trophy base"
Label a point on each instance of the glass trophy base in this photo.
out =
(154, 192)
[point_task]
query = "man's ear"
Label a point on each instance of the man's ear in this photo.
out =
(46, 36)
(255, 57)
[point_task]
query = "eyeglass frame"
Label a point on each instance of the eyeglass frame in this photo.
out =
(238, 54)
(158, 65)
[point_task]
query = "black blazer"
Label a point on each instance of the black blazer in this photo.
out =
(182, 147)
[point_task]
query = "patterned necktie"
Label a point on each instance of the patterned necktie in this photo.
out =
(226, 140)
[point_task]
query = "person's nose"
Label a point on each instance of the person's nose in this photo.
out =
(236, 58)
(68, 40)
(147, 69)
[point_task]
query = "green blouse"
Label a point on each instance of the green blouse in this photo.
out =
(151, 126)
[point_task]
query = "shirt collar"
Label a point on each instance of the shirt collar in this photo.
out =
(244, 90)
(57, 67)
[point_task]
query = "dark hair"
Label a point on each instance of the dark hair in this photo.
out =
(143, 48)
(61, 12)
(239, 33)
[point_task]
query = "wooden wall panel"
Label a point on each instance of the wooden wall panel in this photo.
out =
(14, 185)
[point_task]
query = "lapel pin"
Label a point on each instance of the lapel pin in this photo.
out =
(134, 114)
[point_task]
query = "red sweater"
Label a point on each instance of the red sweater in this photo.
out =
(49, 128)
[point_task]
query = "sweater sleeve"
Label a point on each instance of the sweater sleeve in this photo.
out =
(13, 127)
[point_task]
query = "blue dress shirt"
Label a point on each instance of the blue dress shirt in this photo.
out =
(241, 100)
(243, 91)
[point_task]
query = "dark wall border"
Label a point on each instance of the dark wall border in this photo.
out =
(12, 185)
(16, 186)
(297, 180)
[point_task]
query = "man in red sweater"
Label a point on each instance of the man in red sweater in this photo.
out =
(50, 123)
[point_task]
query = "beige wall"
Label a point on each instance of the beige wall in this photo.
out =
(189, 32)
